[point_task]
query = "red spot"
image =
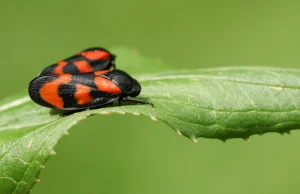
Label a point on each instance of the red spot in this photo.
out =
(83, 94)
(101, 72)
(59, 67)
(96, 55)
(83, 66)
(107, 86)
(49, 91)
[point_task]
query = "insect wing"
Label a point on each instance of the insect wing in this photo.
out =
(68, 92)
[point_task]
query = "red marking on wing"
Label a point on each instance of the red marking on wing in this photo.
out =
(107, 85)
(96, 55)
(83, 66)
(101, 72)
(83, 94)
(49, 91)
(59, 68)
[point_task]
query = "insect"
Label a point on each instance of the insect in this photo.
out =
(88, 60)
(85, 90)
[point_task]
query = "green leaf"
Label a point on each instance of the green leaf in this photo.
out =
(217, 103)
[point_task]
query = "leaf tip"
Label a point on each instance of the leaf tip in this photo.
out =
(84, 117)
(53, 153)
(178, 132)
(194, 139)
(104, 113)
(153, 118)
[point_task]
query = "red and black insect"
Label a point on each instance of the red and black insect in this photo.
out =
(85, 90)
(89, 60)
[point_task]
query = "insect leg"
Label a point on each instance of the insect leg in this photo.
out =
(122, 99)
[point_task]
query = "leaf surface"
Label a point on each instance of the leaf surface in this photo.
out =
(217, 103)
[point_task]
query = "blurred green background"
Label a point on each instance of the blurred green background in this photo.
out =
(129, 154)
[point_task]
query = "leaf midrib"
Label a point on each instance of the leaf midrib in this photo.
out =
(217, 110)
